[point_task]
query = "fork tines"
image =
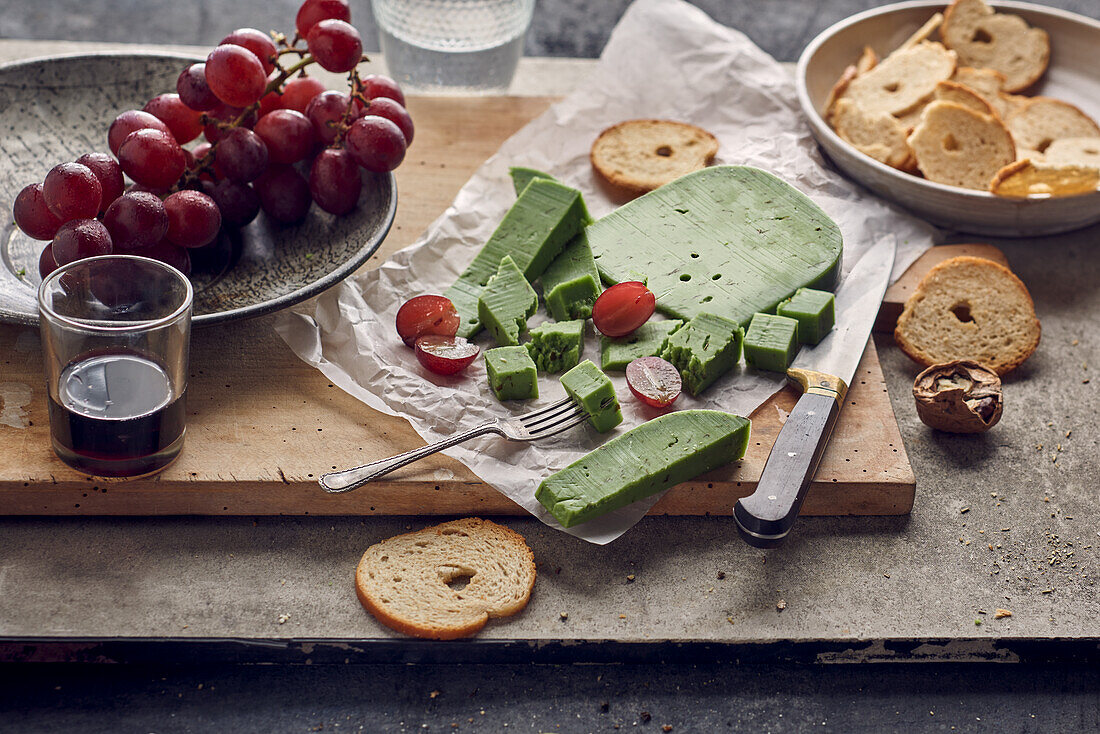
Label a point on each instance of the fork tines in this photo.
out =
(554, 418)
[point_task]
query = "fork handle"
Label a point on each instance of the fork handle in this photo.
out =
(338, 482)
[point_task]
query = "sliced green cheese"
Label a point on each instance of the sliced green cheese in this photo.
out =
(815, 312)
(704, 349)
(522, 176)
(648, 340)
(512, 373)
(593, 391)
(544, 218)
(506, 302)
(556, 345)
(656, 455)
(571, 284)
(731, 240)
(771, 342)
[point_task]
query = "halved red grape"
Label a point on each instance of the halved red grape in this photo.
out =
(72, 191)
(325, 111)
(239, 203)
(193, 89)
(445, 355)
(193, 219)
(622, 308)
(152, 158)
(335, 45)
(81, 238)
(426, 316)
(288, 135)
(298, 93)
(654, 381)
(377, 85)
(46, 263)
(376, 144)
(335, 181)
(235, 75)
(314, 11)
(109, 173)
(395, 113)
(128, 122)
(257, 42)
(241, 155)
(136, 220)
(182, 121)
(284, 194)
(33, 216)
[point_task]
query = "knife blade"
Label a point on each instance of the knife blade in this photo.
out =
(823, 373)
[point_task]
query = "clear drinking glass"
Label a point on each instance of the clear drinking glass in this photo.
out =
(453, 46)
(115, 337)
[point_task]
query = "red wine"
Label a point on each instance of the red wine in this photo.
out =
(116, 415)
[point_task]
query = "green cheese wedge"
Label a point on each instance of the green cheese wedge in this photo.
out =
(648, 340)
(506, 302)
(815, 312)
(771, 342)
(593, 391)
(652, 457)
(522, 176)
(731, 240)
(571, 284)
(704, 349)
(512, 373)
(544, 218)
(556, 345)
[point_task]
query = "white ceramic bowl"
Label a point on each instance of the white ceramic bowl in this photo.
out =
(1073, 75)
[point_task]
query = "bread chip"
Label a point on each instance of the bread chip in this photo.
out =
(924, 32)
(408, 581)
(850, 72)
(961, 94)
(984, 38)
(1074, 152)
(867, 60)
(1042, 120)
(639, 155)
(958, 146)
(1026, 178)
(986, 82)
(903, 80)
(879, 135)
(969, 308)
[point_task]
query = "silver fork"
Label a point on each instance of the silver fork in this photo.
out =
(560, 416)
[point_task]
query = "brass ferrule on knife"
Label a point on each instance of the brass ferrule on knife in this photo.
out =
(818, 383)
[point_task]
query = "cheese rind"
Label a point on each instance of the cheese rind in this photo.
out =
(506, 302)
(571, 284)
(512, 374)
(731, 240)
(771, 342)
(521, 176)
(540, 223)
(556, 345)
(648, 340)
(704, 349)
(652, 457)
(815, 312)
(593, 391)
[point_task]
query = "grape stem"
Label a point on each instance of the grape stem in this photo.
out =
(355, 95)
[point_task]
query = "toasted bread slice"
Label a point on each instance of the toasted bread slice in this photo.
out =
(639, 155)
(878, 135)
(924, 32)
(1083, 152)
(867, 60)
(969, 308)
(951, 91)
(409, 581)
(956, 145)
(903, 80)
(986, 82)
(1028, 178)
(1042, 120)
(984, 38)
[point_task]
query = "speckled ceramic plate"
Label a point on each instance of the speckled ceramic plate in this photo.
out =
(54, 110)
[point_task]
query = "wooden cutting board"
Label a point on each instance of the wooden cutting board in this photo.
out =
(262, 425)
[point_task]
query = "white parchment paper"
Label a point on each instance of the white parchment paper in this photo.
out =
(665, 59)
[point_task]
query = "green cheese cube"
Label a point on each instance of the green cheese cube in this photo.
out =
(522, 176)
(815, 312)
(652, 457)
(731, 240)
(544, 218)
(512, 373)
(771, 342)
(704, 349)
(648, 340)
(506, 302)
(571, 284)
(556, 345)
(593, 391)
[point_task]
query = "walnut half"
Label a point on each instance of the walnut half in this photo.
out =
(958, 397)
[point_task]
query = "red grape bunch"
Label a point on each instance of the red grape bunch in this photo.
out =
(274, 139)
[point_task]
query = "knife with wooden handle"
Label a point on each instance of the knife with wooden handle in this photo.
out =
(823, 373)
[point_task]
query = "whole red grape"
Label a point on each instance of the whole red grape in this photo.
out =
(193, 89)
(313, 11)
(395, 113)
(182, 121)
(109, 173)
(258, 43)
(326, 111)
(46, 263)
(136, 220)
(378, 85)
(152, 158)
(622, 308)
(235, 75)
(284, 194)
(297, 93)
(33, 216)
(238, 203)
(241, 154)
(193, 219)
(376, 144)
(335, 181)
(72, 191)
(80, 238)
(224, 113)
(128, 122)
(174, 255)
(287, 134)
(271, 101)
(335, 45)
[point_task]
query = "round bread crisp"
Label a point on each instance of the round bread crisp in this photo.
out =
(903, 80)
(956, 145)
(878, 135)
(1001, 41)
(969, 308)
(1042, 120)
(411, 582)
(1074, 152)
(639, 155)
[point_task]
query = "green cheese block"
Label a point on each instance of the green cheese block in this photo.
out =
(771, 342)
(571, 284)
(731, 240)
(512, 373)
(544, 218)
(556, 345)
(704, 349)
(506, 302)
(656, 455)
(648, 340)
(522, 176)
(815, 312)
(593, 391)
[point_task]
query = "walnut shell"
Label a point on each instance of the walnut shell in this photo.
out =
(958, 397)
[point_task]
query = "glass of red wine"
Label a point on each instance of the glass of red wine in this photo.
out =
(115, 336)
